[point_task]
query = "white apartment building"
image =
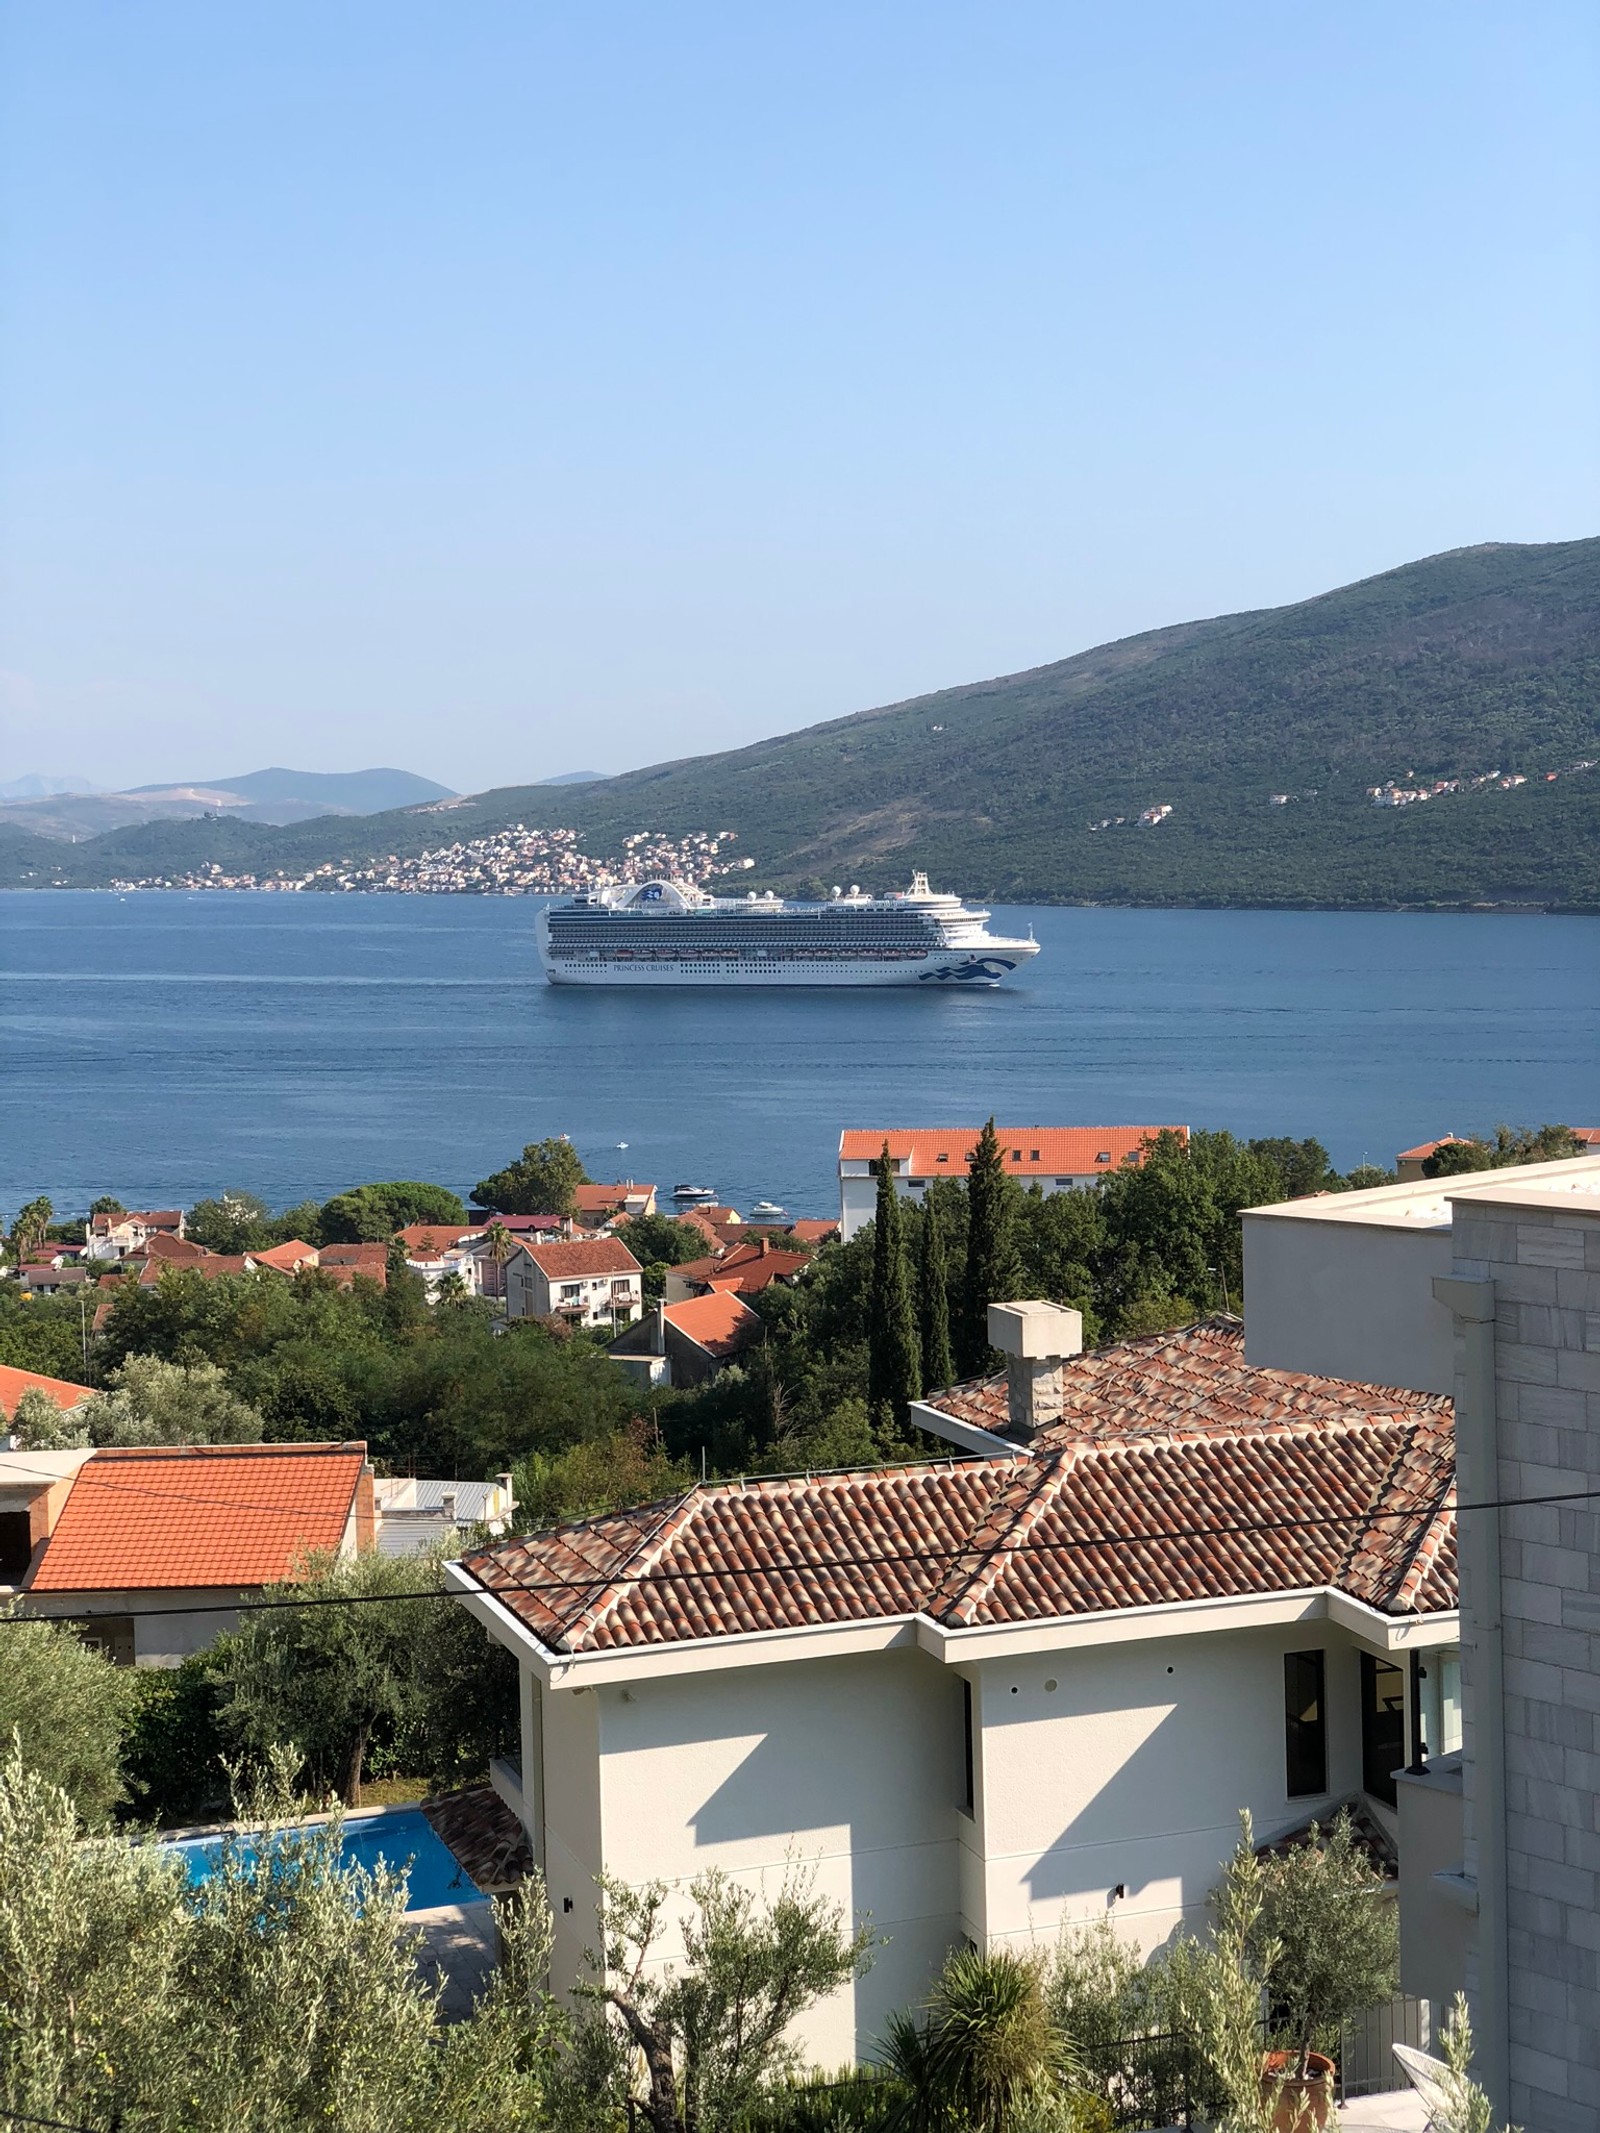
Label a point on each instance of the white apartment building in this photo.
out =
(592, 1282)
(988, 1695)
(1055, 1158)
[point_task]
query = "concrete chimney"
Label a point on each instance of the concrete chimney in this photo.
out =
(1034, 1338)
(447, 1504)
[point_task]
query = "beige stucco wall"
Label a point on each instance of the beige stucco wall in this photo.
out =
(570, 1762)
(1347, 1300)
(852, 1769)
(1132, 1770)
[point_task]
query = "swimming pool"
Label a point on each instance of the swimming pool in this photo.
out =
(404, 1842)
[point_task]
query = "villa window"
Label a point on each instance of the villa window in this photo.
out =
(1383, 1726)
(1305, 1723)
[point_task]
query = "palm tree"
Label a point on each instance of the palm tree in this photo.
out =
(986, 2055)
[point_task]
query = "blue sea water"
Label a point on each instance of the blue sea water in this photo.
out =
(165, 1046)
(405, 1843)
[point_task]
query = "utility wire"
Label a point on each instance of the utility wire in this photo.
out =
(888, 1558)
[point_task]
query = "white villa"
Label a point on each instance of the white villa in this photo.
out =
(985, 1695)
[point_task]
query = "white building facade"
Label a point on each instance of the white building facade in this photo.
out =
(961, 1722)
(1053, 1158)
(594, 1282)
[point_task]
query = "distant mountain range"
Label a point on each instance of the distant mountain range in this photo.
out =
(75, 809)
(1263, 733)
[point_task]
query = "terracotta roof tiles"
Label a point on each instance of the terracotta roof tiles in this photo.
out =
(1179, 1473)
(212, 1517)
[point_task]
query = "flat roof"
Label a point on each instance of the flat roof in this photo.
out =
(1573, 1183)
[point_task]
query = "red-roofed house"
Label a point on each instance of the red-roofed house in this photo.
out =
(115, 1236)
(346, 1262)
(14, 1383)
(991, 1696)
(1408, 1163)
(744, 1268)
(593, 1281)
(286, 1258)
(1055, 1158)
(142, 1534)
(686, 1343)
(595, 1205)
(426, 1240)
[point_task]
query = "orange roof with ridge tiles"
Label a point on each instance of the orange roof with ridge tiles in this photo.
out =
(721, 1323)
(14, 1383)
(208, 1516)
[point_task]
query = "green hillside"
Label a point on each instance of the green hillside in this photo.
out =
(1483, 659)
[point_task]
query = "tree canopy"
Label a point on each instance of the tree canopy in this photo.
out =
(369, 1214)
(543, 1180)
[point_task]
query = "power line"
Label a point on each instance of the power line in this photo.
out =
(885, 1558)
(63, 2125)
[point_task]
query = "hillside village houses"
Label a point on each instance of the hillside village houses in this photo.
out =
(1055, 1158)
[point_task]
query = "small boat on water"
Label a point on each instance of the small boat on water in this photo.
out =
(694, 1192)
(768, 1208)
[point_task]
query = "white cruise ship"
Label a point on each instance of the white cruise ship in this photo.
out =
(670, 933)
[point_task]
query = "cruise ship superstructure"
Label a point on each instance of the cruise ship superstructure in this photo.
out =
(672, 933)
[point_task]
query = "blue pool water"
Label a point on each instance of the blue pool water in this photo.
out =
(405, 1843)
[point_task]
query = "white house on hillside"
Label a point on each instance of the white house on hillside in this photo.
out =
(990, 1694)
(593, 1282)
(1055, 1158)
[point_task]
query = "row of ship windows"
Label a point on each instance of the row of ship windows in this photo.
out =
(812, 952)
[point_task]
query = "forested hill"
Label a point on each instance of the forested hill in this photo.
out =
(1482, 660)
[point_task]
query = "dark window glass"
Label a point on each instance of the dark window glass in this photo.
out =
(16, 1546)
(1305, 1723)
(966, 1741)
(1383, 1726)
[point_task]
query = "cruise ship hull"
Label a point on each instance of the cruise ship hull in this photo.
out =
(661, 934)
(946, 970)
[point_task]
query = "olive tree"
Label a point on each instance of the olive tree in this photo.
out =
(1329, 1918)
(714, 2031)
(62, 1709)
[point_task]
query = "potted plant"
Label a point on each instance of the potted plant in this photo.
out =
(1327, 1916)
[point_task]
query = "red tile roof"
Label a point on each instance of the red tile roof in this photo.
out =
(608, 1199)
(749, 1268)
(589, 1255)
(439, 1236)
(287, 1258)
(215, 1516)
(1424, 1149)
(721, 1323)
(1180, 1473)
(174, 1249)
(14, 1383)
(1029, 1151)
(809, 1232)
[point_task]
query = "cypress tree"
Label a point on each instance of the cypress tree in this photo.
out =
(938, 1368)
(993, 1274)
(894, 1376)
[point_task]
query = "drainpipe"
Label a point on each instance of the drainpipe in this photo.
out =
(1470, 1301)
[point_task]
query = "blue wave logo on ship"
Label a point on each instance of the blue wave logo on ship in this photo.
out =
(982, 970)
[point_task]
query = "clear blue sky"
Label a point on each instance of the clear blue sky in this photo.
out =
(495, 389)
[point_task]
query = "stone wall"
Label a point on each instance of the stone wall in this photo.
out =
(1544, 1263)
